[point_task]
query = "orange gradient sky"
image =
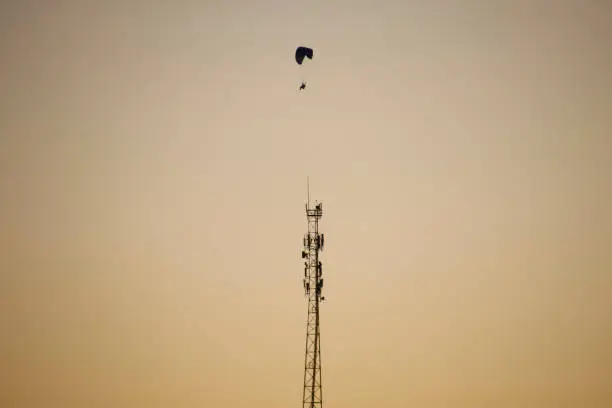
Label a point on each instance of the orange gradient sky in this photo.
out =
(153, 163)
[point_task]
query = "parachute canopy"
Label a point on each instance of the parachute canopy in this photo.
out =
(301, 53)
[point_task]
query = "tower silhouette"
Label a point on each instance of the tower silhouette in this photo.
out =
(313, 287)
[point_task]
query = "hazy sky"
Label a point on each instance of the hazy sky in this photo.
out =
(153, 163)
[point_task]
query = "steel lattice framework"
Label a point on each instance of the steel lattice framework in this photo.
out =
(313, 286)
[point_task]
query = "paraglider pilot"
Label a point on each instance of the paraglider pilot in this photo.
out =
(300, 54)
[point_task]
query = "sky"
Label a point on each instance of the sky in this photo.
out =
(153, 165)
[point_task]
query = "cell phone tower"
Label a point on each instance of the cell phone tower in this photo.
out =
(313, 288)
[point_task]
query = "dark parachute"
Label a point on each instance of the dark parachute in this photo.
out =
(301, 53)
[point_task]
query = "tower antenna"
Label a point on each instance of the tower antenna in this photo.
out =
(308, 189)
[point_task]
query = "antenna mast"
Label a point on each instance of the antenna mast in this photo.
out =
(308, 189)
(313, 287)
